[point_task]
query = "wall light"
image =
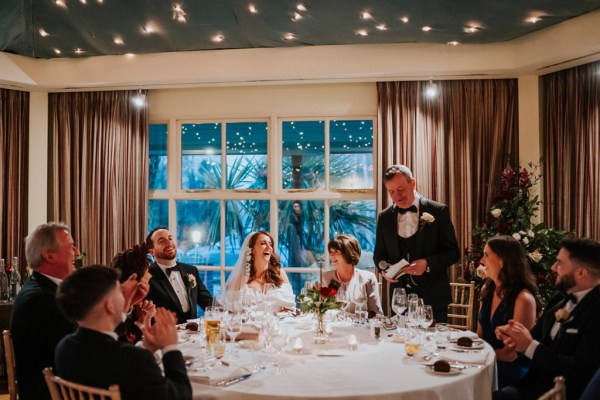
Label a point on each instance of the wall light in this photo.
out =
(139, 100)
(431, 90)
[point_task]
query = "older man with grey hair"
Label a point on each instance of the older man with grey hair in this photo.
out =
(38, 323)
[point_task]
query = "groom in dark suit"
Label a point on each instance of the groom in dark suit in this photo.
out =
(420, 231)
(566, 339)
(174, 286)
(93, 356)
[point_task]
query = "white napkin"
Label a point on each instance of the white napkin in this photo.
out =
(471, 357)
(454, 335)
(214, 375)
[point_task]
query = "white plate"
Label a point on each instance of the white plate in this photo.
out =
(453, 371)
(476, 346)
(248, 344)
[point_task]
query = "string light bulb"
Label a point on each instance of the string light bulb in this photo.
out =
(426, 28)
(366, 15)
(252, 8)
(404, 19)
(301, 7)
(178, 13)
(43, 32)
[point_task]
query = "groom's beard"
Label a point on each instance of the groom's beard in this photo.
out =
(565, 282)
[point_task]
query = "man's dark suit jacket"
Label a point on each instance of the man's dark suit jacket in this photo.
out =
(37, 325)
(163, 294)
(435, 242)
(574, 353)
(95, 359)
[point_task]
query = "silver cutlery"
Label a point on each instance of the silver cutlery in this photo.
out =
(231, 381)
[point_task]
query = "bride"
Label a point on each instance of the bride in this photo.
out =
(258, 270)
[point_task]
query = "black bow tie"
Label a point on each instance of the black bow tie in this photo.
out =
(412, 208)
(171, 269)
(571, 297)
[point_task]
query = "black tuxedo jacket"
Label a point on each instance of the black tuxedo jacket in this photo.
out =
(163, 295)
(37, 325)
(435, 242)
(95, 359)
(574, 353)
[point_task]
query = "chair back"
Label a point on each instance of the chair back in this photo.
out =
(460, 311)
(61, 389)
(558, 392)
(11, 373)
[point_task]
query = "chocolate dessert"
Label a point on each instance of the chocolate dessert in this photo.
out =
(191, 326)
(441, 366)
(464, 342)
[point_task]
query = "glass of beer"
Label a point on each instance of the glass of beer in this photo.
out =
(412, 343)
(212, 324)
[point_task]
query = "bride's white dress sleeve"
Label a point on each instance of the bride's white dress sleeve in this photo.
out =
(283, 296)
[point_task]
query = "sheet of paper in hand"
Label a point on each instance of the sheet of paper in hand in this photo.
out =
(394, 271)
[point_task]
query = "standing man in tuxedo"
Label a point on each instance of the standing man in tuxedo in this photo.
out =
(420, 231)
(174, 286)
(93, 356)
(566, 339)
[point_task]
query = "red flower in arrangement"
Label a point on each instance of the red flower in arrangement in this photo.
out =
(328, 291)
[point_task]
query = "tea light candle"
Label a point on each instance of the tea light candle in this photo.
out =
(328, 329)
(353, 342)
(298, 345)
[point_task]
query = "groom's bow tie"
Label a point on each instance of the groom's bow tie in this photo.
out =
(412, 208)
(570, 297)
(171, 269)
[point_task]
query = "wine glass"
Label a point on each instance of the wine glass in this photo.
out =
(340, 296)
(233, 327)
(412, 316)
(426, 317)
(399, 301)
(266, 288)
(279, 340)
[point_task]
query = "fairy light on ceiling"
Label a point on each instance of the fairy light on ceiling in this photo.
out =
(43, 32)
(178, 13)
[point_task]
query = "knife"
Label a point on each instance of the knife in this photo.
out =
(231, 381)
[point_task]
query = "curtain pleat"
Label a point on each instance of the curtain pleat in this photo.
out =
(456, 143)
(99, 159)
(14, 174)
(571, 144)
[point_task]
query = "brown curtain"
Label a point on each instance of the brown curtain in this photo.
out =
(456, 143)
(99, 158)
(14, 173)
(571, 144)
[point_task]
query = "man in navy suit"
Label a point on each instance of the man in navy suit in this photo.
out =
(174, 286)
(565, 340)
(93, 356)
(420, 231)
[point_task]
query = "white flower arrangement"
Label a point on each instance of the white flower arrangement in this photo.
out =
(516, 235)
(535, 256)
(481, 272)
(496, 212)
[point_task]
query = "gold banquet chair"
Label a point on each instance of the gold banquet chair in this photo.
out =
(11, 373)
(558, 392)
(460, 311)
(61, 389)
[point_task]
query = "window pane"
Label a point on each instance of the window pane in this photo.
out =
(157, 168)
(201, 156)
(351, 159)
(243, 217)
(247, 155)
(303, 149)
(356, 218)
(300, 232)
(198, 232)
(158, 213)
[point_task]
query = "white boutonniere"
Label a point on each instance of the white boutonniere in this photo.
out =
(191, 281)
(426, 219)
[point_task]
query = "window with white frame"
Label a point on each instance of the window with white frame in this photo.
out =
(304, 180)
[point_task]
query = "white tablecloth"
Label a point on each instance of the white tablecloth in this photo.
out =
(376, 370)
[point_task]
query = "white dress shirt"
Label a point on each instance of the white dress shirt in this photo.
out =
(176, 281)
(408, 223)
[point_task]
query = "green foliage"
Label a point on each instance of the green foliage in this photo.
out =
(318, 300)
(511, 214)
(79, 260)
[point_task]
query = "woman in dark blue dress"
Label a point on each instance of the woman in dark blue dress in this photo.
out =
(508, 293)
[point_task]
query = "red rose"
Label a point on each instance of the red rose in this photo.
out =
(327, 291)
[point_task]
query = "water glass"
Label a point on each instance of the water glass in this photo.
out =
(412, 343)
(442, 332)
(218, 346)
(361, 313)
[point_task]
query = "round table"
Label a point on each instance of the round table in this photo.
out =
(375, 370)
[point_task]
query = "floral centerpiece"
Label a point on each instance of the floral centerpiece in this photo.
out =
(318, 300)
(512, 212)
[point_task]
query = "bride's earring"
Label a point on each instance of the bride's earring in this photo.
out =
(248, 262)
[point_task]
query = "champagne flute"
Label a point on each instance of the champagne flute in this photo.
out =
(233, 328)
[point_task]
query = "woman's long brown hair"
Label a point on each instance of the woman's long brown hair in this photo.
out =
(272, 275)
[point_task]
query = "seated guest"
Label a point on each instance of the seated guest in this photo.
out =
(92, 355)
(564, 341)
(37, 322)
(356, 284)
(258, 266)
(129, 262)
(508, 293)
(592, 390)
(174, 286)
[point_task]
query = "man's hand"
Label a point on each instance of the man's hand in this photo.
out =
(145, 307)
(162, 333)
(417, 267)
(514, 335)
